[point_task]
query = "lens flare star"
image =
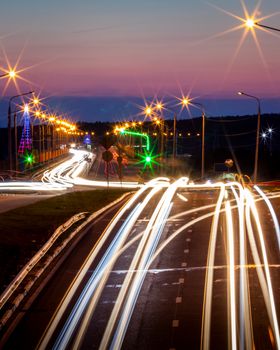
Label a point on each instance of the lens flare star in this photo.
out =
(250, 23)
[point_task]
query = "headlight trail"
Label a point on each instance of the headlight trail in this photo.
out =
(66, 175)
(133, 281)
(149, 245)
(208, 288)
(272, 213)
(245, 315)
(68, 329)
(231, 276)
(274, 320)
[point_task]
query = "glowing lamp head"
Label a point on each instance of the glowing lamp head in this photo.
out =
(263, 135)
(159, 106)
(240, 93)
(148, 111)
(250, 23)
(148, 159)
(26, 108)
(36, 101)
(269, 130)
(12, 74)
(185, 101)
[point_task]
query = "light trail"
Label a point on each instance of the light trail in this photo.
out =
(208, 288)
(272, 213)
(108, 258)
(245, 315)
(231, 276)
(150, 244)
(274, 321)
(65, 176)
(133, 282)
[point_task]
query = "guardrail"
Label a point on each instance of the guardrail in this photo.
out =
(18, 280)
(37, 257)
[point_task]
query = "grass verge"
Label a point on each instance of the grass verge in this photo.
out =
(24, 230)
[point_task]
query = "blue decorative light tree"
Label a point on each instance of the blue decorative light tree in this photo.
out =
(26, 139)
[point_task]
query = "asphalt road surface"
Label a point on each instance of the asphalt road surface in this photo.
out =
(180, 267)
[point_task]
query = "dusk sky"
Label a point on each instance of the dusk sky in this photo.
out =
(136, 48)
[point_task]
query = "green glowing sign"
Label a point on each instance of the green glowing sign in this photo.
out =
(139, 134)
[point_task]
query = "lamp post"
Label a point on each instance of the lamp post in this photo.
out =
(9, 126)
(11, 74)
(186, 102)
(258, 132)
(201, 107)
(159, 107)
(267, 27)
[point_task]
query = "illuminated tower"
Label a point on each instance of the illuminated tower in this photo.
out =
(26, 140)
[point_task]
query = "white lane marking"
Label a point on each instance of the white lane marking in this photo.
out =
(175, 323)
(181, 280)
(178, 300)
(184, 264)
(186, 251)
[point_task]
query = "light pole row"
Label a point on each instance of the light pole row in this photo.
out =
(185, 102)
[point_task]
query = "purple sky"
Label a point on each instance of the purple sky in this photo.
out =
(135, 48)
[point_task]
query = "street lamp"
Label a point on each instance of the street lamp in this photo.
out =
(186, 102)
(251, 23)
(258, 132)
(9, 127)
(159, 106)
(11, 74)
(267, 27)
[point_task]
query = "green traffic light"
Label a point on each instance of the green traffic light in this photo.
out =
(148, 159)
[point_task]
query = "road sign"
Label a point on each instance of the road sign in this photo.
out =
(107, 156)
(229, 163)
(108, 141)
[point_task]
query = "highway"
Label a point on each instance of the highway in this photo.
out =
(64, 176)
(178, 266)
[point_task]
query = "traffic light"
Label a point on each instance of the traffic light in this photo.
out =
(148, 159)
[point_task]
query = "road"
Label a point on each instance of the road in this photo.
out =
(180, 266)
(64, 176)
